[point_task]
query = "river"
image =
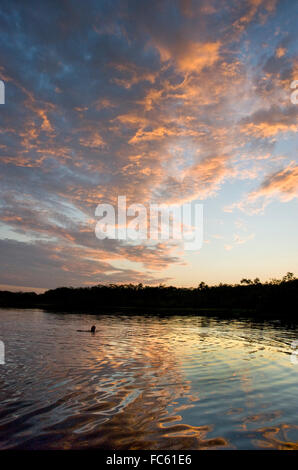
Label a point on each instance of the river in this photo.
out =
(146, 382)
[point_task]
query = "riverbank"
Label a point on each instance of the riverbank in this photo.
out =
(276, 299)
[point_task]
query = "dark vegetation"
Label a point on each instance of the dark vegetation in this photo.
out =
(276, 297)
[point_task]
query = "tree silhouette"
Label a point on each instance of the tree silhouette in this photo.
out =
(277, 295)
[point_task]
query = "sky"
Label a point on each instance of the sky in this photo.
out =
(163, 101)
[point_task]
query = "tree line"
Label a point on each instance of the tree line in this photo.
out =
(276, 296)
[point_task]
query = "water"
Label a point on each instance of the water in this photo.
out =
(182, 382)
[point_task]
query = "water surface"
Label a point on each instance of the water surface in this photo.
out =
(146, 382)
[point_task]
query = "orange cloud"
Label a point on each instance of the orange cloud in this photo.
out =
(268, 130)
(132, 74)
(191, 56)
(280, 52)
(198, 56)
(253, 8)
(269, 122)
(282, 184)
(92, 141)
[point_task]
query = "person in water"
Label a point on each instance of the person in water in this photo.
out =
(92, 330)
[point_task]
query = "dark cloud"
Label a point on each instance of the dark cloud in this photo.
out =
(45, 265)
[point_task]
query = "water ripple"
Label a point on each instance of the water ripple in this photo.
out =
(146, 383)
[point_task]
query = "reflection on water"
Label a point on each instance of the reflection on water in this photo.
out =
(182, 382)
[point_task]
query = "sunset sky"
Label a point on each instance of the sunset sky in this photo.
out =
(167, 101)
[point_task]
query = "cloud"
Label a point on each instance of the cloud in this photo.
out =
(281, 185)
(192, 56)
(201, 180)
(252, 8)
(270, 122)
(154, 100)
(23, 264)
(240, 239)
